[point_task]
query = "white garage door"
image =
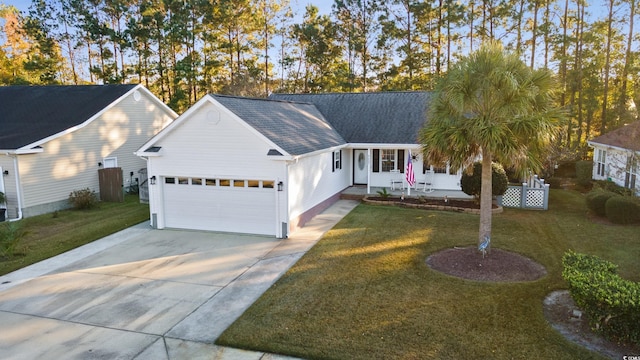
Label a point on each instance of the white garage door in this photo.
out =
(231, 205)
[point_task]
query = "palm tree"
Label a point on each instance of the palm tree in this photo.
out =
(491, 105)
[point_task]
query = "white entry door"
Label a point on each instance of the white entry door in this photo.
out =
(360, 167)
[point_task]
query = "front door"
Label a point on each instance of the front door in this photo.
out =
(360, 168)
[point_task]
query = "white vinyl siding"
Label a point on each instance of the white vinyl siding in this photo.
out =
(311, 181)
(230, 158)
(71, 162)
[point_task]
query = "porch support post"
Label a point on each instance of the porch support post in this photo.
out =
(369, 171)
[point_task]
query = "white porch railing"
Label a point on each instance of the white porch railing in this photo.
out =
(533, 194)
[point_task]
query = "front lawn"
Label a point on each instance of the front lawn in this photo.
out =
(52, 234)
(365, 292)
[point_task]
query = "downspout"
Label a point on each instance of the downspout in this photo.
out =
(17, 176)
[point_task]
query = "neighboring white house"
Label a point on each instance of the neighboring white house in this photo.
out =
(266, 166)
(54, 139)
(616, 156)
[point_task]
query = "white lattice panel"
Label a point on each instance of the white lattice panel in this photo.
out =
(511, 197)
(535, 198)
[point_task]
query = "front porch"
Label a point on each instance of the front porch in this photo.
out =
(357, 192)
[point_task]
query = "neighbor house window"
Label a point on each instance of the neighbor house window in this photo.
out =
(631, 172)
(601, 157)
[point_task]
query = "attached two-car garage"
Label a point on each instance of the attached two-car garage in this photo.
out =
(220, 204)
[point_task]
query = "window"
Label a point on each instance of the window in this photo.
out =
(196, 181)
(224, 182)
(169, 180)
(388, 159)
(440, 169)
(238, 183)
(210, 182)
(601, 157)
(183, 181)
(253, 183)
(267, 184)
(110, 162)
(337, 160)
(631, 172)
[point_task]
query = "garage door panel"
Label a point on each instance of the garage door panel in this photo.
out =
(248, 210)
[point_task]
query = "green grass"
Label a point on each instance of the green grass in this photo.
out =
(52, 234)
(365, 292)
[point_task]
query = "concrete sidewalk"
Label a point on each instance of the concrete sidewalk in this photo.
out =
(147, 294)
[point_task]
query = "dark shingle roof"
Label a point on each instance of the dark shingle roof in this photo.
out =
(382, 117)
(627, 137)
(295, 127)
(32, 113)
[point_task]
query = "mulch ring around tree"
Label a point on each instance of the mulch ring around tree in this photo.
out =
(496, 266)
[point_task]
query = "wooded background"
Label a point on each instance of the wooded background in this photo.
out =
(183, 49)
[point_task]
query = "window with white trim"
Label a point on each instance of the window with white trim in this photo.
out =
(631, 172)
(388, 159)
(601, 157)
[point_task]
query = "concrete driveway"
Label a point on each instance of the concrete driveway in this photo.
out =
(147, 294)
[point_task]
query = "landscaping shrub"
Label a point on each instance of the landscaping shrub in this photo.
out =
(584, 170)
(472, 183)
(596, 200)
(622, 210)
(611, 303)
(613, 187)
(83, 199)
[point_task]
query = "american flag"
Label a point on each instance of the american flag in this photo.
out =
(411, 177)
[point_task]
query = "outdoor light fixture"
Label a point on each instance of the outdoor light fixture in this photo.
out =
(99, 164)
(280, 184)
(153, 180)
(6, 172)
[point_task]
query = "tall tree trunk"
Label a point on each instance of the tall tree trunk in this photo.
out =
(579, 54)
(519, 27)
(628, 60)
(607, 68)
(563, 65)
(534, 32)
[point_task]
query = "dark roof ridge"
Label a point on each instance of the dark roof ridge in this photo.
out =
(260, 99)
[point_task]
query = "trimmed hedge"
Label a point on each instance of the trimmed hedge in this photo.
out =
(597, 199)
(622, 210)
(472, 183)
(609, 185)
(584, 170)
(611, 303)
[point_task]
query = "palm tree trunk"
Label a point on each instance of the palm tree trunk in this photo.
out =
(485, 198)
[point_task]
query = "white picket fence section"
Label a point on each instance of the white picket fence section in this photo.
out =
(533, 194)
